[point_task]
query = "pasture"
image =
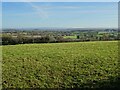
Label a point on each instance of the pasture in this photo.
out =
(60, 65)
(71, 37)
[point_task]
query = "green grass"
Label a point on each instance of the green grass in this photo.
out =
(71, 37)
(78, 64)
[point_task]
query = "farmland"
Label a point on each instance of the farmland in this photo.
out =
(12, 37)
(73, 37)
(60, 65)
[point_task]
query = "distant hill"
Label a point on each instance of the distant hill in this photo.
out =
(58, 29)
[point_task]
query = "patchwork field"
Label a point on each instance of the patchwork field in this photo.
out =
(61, 65)
(72, 37)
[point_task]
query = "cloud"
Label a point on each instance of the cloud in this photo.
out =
(107, 11)
(59, 7)
(39, 10)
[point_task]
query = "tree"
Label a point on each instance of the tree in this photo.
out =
(78, 37)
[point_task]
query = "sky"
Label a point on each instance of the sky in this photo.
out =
(60, 0)
(60, 14)
(0, 16)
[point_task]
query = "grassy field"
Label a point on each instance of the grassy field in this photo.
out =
(71, 37)
(69, 65)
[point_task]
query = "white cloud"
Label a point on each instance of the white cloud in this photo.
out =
(61, 7)
(39, 10)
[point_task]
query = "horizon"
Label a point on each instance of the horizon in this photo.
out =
(60, 15)
(63, 28)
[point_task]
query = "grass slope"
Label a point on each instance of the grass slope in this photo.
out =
(79, 64)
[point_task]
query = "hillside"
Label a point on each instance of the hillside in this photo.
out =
(61, 65)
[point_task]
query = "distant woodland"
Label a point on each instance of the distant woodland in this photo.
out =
(13, 36)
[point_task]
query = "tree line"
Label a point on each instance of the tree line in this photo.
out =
(9, 39)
